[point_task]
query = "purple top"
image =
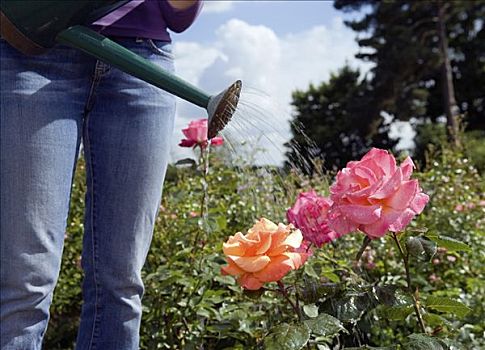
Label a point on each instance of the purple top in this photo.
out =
(147, 19)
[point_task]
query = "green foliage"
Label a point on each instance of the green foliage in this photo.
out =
(402, 39)
(342, 303)
(288, 337)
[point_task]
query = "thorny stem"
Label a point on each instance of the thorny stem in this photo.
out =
(405, 259)
(284, 292)
(365, 244)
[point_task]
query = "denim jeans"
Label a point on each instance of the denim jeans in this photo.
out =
(49, 104)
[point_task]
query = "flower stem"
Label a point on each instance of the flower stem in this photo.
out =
(405, 259)
(204, 165)
(365, 244)
(284, 292)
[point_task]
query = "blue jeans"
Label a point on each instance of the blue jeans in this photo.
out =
(49, 104)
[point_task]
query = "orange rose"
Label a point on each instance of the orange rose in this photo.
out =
(265, 254)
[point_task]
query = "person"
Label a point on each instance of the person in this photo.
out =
(49, 103)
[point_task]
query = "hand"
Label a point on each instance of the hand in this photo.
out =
(181, 4)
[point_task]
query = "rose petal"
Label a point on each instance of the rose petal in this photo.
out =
(390, 186)
(295, 260)
(407, 167)
(402, 221)
(402, 198)
(361, 214)
(294, 239)
(233, 248)
(264, 244)
(419, 202)
(338, 222)
(217, 141)
(383, 158)
(275, 270)
(248, 281)
(250, 263)
(381, 226)
(231, 269)
(187, 143)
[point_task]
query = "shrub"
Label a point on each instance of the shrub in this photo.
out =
(341, 301)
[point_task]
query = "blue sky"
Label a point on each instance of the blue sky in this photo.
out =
(282, 16)
(275, 48)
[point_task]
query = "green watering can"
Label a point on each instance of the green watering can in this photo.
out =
(34, 26)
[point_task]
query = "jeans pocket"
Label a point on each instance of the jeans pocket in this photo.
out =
(160, 48)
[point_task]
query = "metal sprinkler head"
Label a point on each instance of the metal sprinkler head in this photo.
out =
(221, 108)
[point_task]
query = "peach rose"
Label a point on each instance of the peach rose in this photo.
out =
(265, 254)
(374, 195)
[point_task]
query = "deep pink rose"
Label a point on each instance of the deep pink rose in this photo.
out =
(374, 195)
(196, 135)
(309, 214)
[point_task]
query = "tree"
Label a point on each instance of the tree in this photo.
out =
(335, 122)
(424, 52)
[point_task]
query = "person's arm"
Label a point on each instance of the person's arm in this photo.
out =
(180, 14)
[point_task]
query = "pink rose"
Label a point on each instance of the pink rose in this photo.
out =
(217, 141)
(374, 195)
(196, 135)
(309, 214)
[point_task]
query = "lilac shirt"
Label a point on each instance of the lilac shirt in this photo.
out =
(147, 19)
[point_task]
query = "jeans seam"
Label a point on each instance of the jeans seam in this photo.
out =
(99, 69)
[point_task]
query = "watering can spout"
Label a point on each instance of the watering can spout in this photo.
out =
(221, 108)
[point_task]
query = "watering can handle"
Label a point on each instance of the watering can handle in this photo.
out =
(108, 51)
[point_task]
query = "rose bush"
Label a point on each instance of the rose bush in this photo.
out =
(188, 303)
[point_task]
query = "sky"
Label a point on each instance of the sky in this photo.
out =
(275, 48)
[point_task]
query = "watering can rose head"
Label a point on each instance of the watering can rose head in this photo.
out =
(196, 135)
(375, 195)
(265, 254)
(309, 214)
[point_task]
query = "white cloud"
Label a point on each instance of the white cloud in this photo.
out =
(268, 64)
(217, 6)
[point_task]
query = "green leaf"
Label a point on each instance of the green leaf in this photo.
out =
(396, 313)
(287, 337)
(421, 247)
(325, 325)
(331, 276)
(434, 320)
(308, 269)
(449, 243)
(204, 313)
(424, 342)
(447, 305)
(311, 310)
